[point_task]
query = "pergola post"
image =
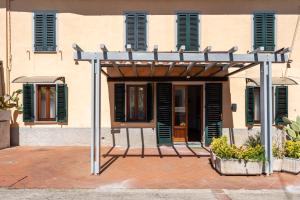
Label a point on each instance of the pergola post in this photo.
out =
(96, 116)
(266, 113)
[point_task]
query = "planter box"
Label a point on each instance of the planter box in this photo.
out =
(213, 159)
(291, 165)
(238, 167)
(5, 116)
(277, 164)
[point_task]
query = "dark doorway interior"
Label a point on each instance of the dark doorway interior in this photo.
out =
(194, 113)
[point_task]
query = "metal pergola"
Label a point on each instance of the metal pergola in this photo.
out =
(205, 60)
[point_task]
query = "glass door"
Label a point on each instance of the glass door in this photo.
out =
(180, 114)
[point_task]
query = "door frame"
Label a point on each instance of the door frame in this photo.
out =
(202, 107)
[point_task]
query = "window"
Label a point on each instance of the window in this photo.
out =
(51, 102)
(138, 100)
(279, 99)
(136, 103)
(188, 31)
(264, 31)
(136, 31)
(44, 32)
(46, 102)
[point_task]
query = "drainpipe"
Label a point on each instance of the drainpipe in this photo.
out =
(8, 46)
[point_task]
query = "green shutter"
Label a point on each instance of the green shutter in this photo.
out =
(188, 31)
(281, 103)
(264, 31)
(50, 31)
(194, 32)
(62, 103)
(249, 111)
(28, 103)
(181, 30)
(269, 32)
(39, 32)
(213, 111)
(141, 43)
(136, 31)
(164, 113)
(44, 31)
(149, 102)
(130, 30)
(119, 102)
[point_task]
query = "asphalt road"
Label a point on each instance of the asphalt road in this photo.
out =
(140, 194)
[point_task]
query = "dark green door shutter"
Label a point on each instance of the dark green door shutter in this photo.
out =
(249, 111)
(28, 103)
(281, 104)
(62, 103)
(164, 113)
(213, 120)
(149, 102)
(120, 102)
(264, 31)
(188, 31)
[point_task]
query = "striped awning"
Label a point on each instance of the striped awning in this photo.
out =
(39, 79)
(275, 81)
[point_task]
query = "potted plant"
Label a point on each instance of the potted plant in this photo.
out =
(291, 160)
(232, 160)
(7, 102)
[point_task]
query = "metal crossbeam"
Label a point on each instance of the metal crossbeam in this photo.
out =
(183, 57)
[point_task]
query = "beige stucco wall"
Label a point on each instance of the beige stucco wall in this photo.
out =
(223, 24)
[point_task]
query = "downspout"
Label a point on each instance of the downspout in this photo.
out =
(8, 46)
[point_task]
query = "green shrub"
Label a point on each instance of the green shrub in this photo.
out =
(253, 140)
(277, 152)
(292, 149)
(223, 150)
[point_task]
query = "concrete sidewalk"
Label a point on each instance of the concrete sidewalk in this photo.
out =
(164, 168)
(147, 194)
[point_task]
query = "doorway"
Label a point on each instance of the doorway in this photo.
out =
(187, 113)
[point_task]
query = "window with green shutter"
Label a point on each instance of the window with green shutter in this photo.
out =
(44, 31)
(28, 103)
(281, 106)
(136, 31)
(188, 31)
(264, 31)
(48, 101)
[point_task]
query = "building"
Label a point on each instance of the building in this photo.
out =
(197, 100)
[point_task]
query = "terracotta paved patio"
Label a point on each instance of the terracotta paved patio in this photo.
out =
(69, 167)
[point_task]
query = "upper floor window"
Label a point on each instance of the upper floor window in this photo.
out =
(264, 31)
(136, 31)
(188, 31)
(44, 31)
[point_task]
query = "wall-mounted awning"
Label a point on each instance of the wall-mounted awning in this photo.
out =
(275, 81)
(39, 79)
